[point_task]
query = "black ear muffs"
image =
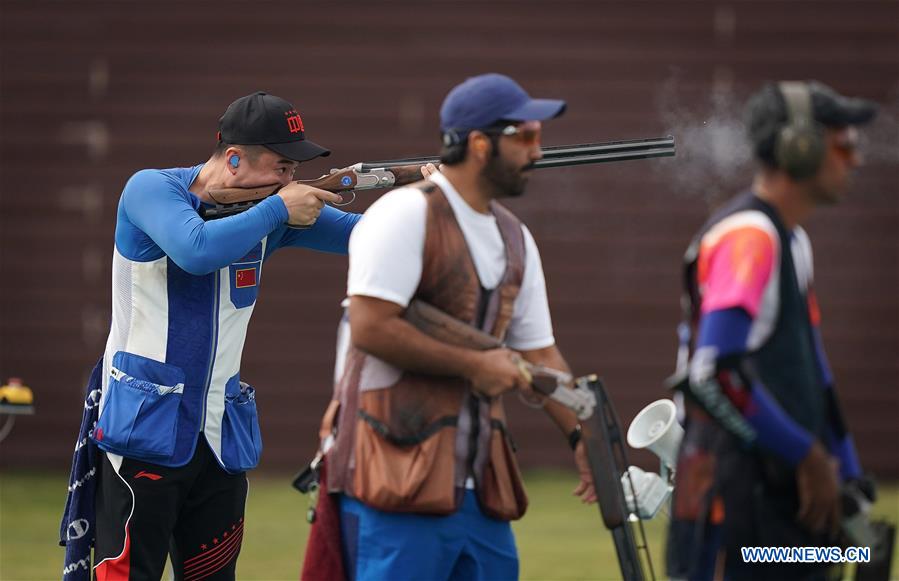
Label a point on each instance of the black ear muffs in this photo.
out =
(451, 137)
(800, 145)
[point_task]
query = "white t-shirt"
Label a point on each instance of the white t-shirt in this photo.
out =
(387, 247)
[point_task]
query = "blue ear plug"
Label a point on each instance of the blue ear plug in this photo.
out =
(234, 161)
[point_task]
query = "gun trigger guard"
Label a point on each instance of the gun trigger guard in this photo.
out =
(538, 402)
(353, 199)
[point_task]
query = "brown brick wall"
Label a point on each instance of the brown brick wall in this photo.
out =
(92, 91)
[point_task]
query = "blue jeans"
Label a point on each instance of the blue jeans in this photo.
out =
(466, 545)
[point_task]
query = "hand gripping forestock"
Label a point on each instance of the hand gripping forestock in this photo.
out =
(552, 383)
(587, 397)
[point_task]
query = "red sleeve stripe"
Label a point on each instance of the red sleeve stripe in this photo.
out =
(734, 389)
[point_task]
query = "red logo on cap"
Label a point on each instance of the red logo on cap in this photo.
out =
(244, 277)
(294, 122)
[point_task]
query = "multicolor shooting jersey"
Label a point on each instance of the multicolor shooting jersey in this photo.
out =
(739, 267)
(743, 302)
(183, 291)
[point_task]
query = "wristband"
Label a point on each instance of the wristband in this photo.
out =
(574, 437)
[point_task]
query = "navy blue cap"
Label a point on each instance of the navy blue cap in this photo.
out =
(481, 101)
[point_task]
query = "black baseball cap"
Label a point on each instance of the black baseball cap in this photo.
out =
(767, 114)
(263, 119)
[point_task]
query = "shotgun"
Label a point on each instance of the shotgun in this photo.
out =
(400, 172)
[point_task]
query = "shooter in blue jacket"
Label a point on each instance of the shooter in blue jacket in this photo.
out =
(177, 426)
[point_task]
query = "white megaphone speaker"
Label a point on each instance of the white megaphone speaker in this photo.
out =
(656, 428)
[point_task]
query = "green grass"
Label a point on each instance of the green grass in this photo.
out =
(558, 539)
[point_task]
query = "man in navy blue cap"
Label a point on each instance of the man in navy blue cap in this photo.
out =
(177, 427)
(422, 455)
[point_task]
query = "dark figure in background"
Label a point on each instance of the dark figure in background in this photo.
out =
(766, 447)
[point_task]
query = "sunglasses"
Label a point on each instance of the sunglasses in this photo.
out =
(528, 135)
(848, 145)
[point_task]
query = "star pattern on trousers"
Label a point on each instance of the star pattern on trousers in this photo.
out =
(224, 535)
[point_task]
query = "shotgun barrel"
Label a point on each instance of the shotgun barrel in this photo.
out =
(603, 151)
(563, 155)
(398, 172)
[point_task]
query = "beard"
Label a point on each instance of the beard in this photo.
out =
(505, 179)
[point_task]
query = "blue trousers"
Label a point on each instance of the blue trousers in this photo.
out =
(465, 545)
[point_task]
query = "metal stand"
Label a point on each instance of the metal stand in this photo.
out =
(11, 411)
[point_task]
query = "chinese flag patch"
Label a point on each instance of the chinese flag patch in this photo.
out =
(244, 277)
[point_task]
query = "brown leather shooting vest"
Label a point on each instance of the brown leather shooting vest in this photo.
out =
(407, 442)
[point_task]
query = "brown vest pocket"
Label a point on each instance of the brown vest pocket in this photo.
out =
(501, 490)
(405, 478)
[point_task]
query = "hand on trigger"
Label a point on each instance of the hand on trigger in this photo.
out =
(304, 203)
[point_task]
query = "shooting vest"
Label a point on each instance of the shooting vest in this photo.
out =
(407, 442)
(786, 361)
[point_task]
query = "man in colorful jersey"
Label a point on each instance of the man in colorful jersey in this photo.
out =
(766, 447)
(177, 425)
(422, 456)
